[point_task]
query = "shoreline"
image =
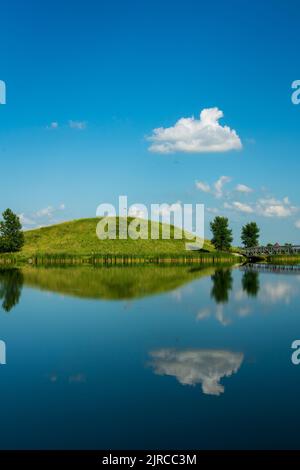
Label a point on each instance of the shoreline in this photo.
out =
(120, 260)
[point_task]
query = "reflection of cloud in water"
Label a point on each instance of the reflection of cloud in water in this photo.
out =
(204, 313)
(179, 293)
(277, 292)
(75, 378)
(221, 317)
(240, 295)
(197, 366)
(244, 311)
(218, 312)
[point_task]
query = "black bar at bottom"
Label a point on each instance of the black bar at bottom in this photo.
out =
(134, 459)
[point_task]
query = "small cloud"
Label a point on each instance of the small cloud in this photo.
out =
(212, 210)
(202, 186)
(219, 184)
(239, 206)
(79, 125)
(242, 188)
(53, 125)
(45, 212)
(217, 189)
(190, 135)
(49, 211)
(297, 224)
(26, 220)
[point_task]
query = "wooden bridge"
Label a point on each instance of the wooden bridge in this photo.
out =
(271, 250)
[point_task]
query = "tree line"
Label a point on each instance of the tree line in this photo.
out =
(222, 234)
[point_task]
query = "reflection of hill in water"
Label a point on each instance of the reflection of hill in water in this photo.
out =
(111, 283)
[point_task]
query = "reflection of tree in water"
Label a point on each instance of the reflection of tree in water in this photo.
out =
(222, 284)
(11, 283)
(250, 283)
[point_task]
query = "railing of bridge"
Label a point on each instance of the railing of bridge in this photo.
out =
(272, 250)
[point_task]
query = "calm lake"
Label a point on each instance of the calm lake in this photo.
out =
(149, 357)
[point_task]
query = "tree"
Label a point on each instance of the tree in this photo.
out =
(11, 235)
(250, 235)
(222, 235)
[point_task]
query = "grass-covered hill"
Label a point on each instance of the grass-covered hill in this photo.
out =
(76, 242)
(78, 237)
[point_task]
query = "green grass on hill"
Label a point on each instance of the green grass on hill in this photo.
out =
(76, 242)
(79, 237)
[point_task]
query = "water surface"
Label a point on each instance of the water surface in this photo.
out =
(150, 357)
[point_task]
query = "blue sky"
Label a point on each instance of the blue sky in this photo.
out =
(87, 82)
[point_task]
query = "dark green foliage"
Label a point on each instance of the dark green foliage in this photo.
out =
(222, 284)
(222, 234)
(250, 235)
(250, 283)
(11, 282)
(11, 235)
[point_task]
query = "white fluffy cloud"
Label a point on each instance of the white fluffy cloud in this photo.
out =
(190, 135)
(266, 207)
(193, 366)
(271, 207)
(202, 186)
(242, 188)
(240, 207)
